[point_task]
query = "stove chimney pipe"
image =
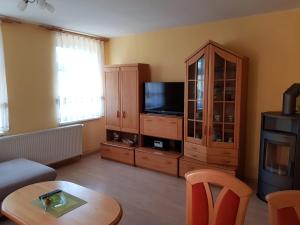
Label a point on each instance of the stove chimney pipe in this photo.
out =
(289, 99)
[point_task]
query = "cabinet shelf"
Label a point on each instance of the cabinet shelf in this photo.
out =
(222, 80)
(194, 120)
(231, 102)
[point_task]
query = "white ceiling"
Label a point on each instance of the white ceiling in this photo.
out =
(122, 17)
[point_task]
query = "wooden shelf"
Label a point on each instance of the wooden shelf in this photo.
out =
(222, 80)
(193, 120)
(232, 102)
(118, 144)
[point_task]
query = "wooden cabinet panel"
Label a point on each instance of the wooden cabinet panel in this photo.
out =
(188, 164)
(117, 153)
(112, 99)
(222, 159)
(161, 126)
(156, 160)
(198, 152)
(129, 99)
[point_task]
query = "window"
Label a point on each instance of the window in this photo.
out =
(4, 122)
(79, 72)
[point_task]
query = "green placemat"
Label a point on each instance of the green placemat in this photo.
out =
(61, 203)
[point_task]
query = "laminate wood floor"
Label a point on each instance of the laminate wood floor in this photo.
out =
(147, 197)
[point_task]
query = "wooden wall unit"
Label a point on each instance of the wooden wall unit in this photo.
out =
(124, 102)
(215, 101)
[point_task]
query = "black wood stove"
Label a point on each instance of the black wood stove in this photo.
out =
(279, 164)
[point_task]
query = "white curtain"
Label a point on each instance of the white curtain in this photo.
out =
(79, 76)
(4, 121)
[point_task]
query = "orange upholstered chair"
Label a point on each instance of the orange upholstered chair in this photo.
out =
(230, 205)
(284, 208)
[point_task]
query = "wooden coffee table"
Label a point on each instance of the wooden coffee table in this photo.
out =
(100, 209)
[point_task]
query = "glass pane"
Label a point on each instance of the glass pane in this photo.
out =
(198, 131)
(219, 91)
(230, 91)
(217, 133)
(201, 68)
(200, 89)
(191, 128)
(192, 72)
(230, 70)
(191, 109)
(199, 111)
(277, 158)
(218, 112)
(191, 90)
(219, 67)
(229, 112)
(229, 133)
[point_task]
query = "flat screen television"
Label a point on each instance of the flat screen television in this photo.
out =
(164, 98)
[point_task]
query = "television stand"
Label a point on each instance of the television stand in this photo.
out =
(167, 129)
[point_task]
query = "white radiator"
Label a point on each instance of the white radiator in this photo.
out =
(46, 146)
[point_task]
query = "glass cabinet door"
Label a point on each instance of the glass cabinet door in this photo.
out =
(223, 89)
(196, 98)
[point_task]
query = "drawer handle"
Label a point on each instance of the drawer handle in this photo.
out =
(172, 122)
(168, 162)
(145, 157)
(148, 120)
(194, 148)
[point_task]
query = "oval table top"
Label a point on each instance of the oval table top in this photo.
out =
(100, 208)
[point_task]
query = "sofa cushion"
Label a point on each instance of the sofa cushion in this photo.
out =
(18, 173)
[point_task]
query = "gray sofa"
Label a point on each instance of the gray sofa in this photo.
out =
(18, 173)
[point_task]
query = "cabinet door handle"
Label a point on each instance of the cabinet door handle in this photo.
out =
(124, 114)
(118, 114)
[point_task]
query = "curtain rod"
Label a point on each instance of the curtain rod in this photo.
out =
(7, 19)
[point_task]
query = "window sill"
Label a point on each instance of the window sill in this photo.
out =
(79, 121)
(2, 134)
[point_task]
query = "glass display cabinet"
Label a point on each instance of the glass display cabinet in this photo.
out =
(215, 104)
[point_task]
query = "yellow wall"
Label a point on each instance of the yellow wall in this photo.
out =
(271, 41)
(30, 81)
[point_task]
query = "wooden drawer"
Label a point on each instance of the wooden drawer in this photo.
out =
(161, 126)
(155, 160)
(222, 156)
(121, 154)
(187, 164)
(195, 151)
(222, 160)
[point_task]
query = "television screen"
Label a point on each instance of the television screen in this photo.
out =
(164, 97)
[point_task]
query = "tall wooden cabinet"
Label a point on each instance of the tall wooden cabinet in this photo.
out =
(215, 101)
(123, 96)
(123, 104)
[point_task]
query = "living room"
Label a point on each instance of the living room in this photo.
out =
(158, 42)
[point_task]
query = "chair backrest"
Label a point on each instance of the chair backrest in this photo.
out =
(230, 205)
(284, 208)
